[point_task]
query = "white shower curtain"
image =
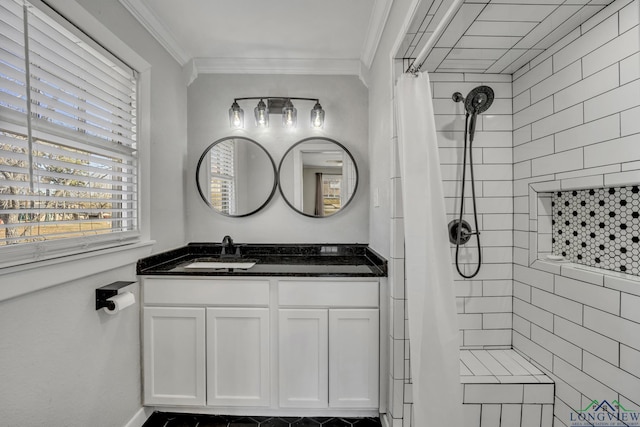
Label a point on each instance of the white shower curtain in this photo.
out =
(433, 325)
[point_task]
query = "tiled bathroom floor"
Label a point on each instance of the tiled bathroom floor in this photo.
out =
(162, 419)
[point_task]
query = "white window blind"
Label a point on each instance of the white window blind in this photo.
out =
(223, 188)
(68, 159)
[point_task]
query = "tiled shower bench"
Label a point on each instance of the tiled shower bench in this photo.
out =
(502, 389)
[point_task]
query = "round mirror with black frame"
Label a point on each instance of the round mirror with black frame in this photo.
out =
(318, 177)
(236, 176)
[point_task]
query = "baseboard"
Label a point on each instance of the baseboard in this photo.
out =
(139, 417)
(270, 412)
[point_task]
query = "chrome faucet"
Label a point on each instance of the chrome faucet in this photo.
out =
(227, 246)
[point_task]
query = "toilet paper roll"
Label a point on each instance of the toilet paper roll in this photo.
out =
(121, 302)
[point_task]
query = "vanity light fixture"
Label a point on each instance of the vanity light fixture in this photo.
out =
(275, 105)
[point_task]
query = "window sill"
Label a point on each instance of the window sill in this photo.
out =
(597, 276)
(26, 278)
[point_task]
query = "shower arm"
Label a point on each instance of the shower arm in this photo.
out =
(457, 97)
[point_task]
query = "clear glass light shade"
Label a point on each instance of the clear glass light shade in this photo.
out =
(289, 115)
(262, 115)
(236, 116)
(317, 116)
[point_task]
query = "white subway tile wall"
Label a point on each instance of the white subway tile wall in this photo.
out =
(398, 342)
(485, 302)
(578, 325)
(575, 123)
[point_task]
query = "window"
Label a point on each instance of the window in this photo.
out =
(223, 179)
(68, 156)
(331, 193)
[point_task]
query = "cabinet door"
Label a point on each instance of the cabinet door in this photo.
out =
(238, 356)
(174, 370)
(303, 345)
(353, 358)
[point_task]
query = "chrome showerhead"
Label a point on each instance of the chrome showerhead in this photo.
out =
(479, 100)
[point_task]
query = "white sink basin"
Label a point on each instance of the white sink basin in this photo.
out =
(244, 265)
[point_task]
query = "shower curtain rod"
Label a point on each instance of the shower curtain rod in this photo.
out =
(415, 66)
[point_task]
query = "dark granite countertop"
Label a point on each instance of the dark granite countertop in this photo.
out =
(302, 260)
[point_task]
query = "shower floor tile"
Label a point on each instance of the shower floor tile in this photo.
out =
(167, 419)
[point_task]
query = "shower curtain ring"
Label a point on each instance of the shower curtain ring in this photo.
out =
(413, 69)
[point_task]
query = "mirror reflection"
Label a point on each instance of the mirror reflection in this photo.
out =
(236, 176)
(318, 177)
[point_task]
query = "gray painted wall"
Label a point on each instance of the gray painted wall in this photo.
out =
(61, 362)
(344, 98)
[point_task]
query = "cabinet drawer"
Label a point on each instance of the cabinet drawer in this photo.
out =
(328, 294)
(206, 292)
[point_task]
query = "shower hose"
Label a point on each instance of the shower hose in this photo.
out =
(473, 197)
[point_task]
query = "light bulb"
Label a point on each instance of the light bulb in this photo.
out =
(236, 116)
(289, 115)
(288, 119)
(262, 115)
(317, 116)
(237, 120)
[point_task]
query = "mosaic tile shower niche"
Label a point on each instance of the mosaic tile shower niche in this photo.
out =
(598, 227)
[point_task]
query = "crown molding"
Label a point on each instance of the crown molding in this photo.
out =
(189, 72)
(377, 22)
(277, 66)
(154, 26)
(348, 67)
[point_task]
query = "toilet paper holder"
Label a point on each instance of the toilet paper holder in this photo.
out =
(104, 293)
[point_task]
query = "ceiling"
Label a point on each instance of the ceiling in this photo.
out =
(340, 37)
(328, 37)
(492, 36)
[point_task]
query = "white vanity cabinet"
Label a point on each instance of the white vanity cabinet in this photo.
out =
(328, 344)
(206, 342)
(262, 346)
